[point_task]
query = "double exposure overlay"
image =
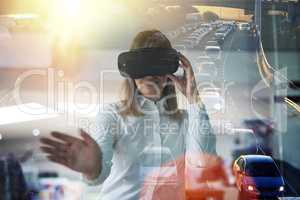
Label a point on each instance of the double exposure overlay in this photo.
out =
(149, 99)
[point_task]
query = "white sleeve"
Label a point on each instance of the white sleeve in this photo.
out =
(200, 137)
(104, 135)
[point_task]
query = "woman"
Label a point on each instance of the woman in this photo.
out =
(140, 135)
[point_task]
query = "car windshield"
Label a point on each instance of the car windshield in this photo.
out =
(212, 50)
(261, 169)
(212, 43)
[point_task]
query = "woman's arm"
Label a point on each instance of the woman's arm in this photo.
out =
(200, 137)
(106, 128)
(90, 155)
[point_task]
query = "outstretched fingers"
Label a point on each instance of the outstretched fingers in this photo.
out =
(54, 148)
(64, 137)
(53, 143)
(56, 155)
(53, 151)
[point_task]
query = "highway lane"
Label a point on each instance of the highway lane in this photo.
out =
(238, 76)
(245, 94)
(242, 74)
(236, 80)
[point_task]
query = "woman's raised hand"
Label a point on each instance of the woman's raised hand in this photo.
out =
(82, 155)
(186, 84)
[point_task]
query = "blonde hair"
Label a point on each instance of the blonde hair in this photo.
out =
(144, 39)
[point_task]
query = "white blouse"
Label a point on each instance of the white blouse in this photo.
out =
(133, 148)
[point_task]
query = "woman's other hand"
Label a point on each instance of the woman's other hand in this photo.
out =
(186, 84)
(82, 155)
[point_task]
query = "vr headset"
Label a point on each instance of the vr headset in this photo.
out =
(142, 62)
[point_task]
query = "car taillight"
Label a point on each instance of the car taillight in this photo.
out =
(250, 188)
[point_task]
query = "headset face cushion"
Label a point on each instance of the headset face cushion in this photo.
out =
(143, 62)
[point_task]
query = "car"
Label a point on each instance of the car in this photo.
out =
(212, 43)
(226, 28)
(195, 34)
(213, 100)
(244, 27)
(213, 52)
(206, 26)
(221, 35)
(224, 31)
(207, 71)
(194, 39)
(257, 176)
(189, 44)
(220, 40)
(198, 30)
(229, 28)
(203, 58)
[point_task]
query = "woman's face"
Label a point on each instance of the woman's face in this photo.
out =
(151, 86)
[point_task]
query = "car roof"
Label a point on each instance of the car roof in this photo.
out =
(208, 63)
(212, 47)
(257, 158)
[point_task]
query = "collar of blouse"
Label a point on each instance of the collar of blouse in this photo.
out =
(146, 103)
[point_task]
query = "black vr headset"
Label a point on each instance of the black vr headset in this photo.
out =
(142, 62)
